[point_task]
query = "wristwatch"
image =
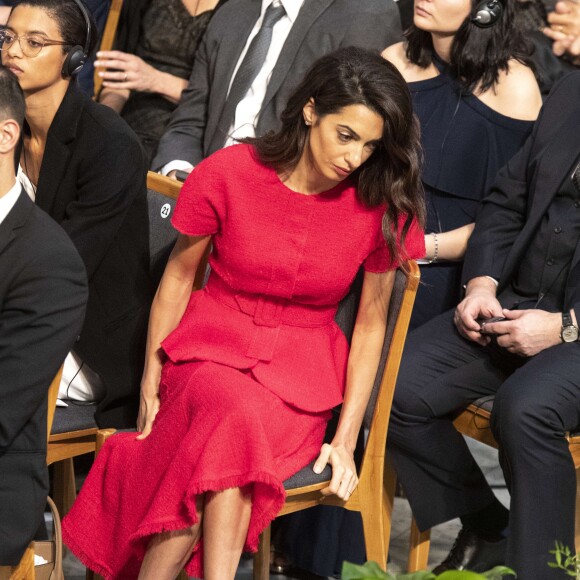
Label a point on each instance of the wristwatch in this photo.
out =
(569, 330)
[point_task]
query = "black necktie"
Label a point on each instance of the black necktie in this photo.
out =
(250, 66)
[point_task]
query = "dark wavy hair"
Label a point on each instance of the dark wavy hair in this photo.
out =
(477, 54)
(392, 174)
(70, 21)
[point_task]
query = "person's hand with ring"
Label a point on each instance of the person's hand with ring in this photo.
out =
(127, 71)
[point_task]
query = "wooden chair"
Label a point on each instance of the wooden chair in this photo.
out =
(474, 422)
(25, 568)
(162, 193)
(75, 431)
(109, 34)
(304, 489)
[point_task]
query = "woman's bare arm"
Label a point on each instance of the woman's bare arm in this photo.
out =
(363, 361)
(168, 306)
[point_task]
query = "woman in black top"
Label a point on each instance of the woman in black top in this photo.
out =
(145, 87)
(85, 167)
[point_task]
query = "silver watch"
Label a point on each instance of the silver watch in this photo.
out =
(569, 330)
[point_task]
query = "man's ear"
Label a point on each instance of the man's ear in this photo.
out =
(9, 135)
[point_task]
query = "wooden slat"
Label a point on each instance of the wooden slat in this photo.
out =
(67, 435)
(24, 570)
(108, 39)
(163, 184)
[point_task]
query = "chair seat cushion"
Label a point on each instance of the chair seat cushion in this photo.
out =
(75, 417)
(307, 477)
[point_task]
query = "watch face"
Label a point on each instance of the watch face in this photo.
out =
(569, 334)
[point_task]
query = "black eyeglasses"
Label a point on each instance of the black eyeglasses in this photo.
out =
(30, 44)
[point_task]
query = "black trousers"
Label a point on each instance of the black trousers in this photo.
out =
(537, 400)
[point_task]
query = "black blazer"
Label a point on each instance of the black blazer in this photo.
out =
(512, 213)
(321, 27)
(93, 182)
(43, 292)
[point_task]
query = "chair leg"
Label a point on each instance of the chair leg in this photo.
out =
(419, 543)
(102, 436)
(64, 483)
(389, 487)
(372, 513)
(262, 557)
(577, 525)
(24, 570)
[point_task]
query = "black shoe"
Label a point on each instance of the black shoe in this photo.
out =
(473, 553)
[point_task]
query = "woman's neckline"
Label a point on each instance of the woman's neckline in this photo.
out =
(336, 189)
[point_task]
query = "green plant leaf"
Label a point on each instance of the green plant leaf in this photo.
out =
(422, 575)
(460, 575)
(498, 572)
(370, 571)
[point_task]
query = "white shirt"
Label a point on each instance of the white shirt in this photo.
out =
(248, 109)
(8, 200)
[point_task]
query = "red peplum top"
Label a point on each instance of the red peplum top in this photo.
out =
(281, 262)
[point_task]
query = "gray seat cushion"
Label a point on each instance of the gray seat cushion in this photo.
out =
(307, 477)
(74, 418)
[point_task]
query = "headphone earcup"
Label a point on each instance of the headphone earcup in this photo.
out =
(74, 61)
(487, 13)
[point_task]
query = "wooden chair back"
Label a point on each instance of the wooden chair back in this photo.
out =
(162, 193)
(369, 497)
(109, 34)
(52, 396)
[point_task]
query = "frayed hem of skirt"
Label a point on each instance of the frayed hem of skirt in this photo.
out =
(83, 557)
(260, 520)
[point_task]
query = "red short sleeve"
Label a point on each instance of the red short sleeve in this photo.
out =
(381, 259)
(200, 208)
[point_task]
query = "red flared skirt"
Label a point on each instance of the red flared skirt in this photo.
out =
(217, 428)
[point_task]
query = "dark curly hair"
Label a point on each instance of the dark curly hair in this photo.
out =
(70, 20)
(477, 54)
(392, 174)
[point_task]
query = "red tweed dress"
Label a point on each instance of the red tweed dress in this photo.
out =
(253, 368)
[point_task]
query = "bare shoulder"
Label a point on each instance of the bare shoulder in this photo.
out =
(397, 55)
(516, 94)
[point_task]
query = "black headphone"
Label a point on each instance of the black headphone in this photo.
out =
(487, 13)
(77, 56)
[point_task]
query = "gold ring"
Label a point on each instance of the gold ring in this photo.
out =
(126, 76)
(559, 28)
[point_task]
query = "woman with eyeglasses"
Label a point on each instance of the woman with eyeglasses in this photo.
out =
(81, 164)
(468, 68)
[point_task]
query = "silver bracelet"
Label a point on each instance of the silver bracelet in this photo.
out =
(436, 248)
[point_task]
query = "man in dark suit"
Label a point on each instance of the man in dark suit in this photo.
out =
(305, 31)
(522, 264)
(43, 292)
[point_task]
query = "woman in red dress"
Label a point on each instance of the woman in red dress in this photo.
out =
(240, 377)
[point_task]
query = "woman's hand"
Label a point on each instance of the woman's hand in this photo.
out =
(127, 71)
(134, 74)
(344, 477)
(148, 408)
